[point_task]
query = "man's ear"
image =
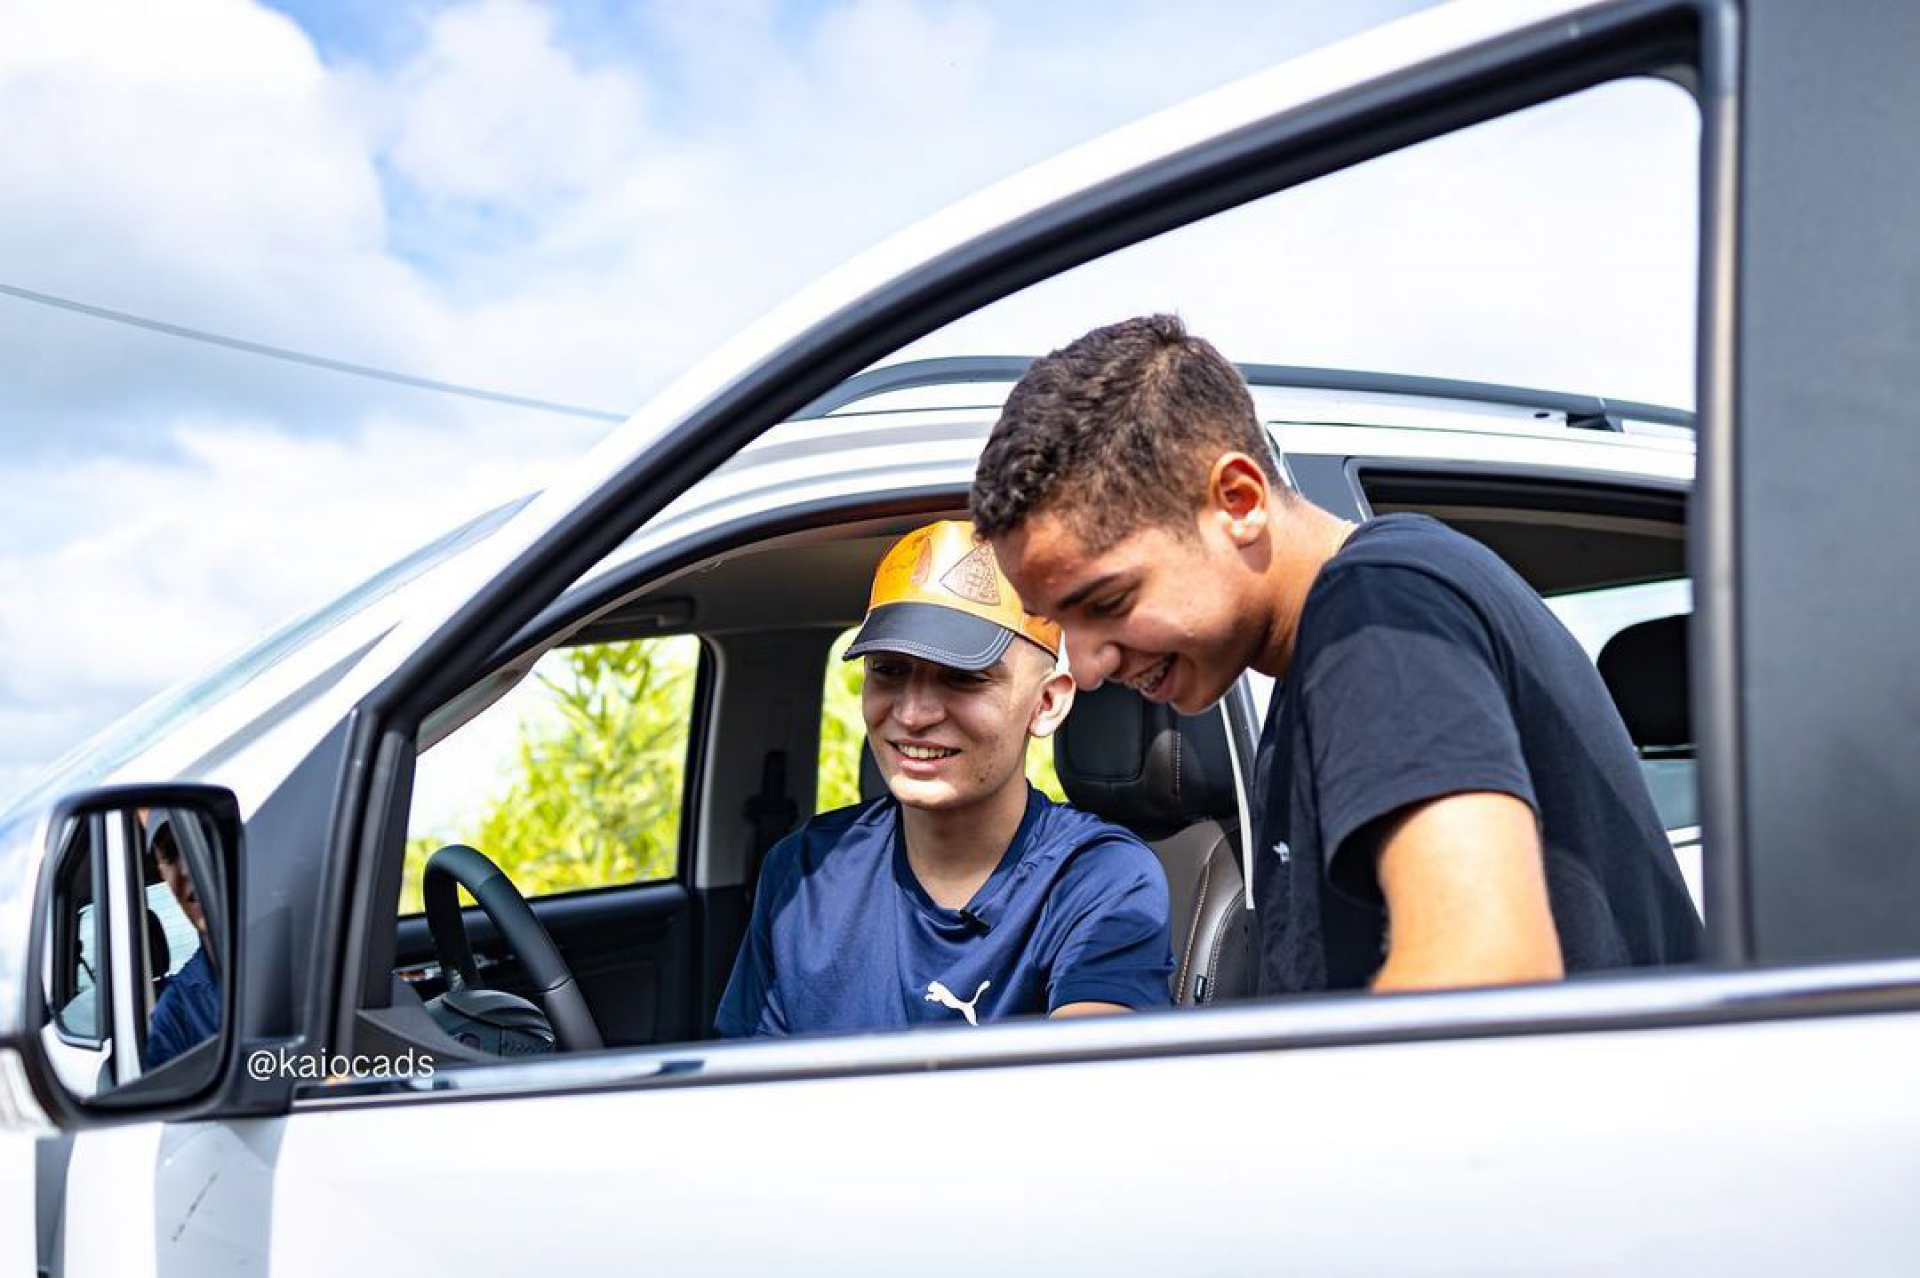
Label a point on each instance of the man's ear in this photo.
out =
(1056, 699)
(1237, 493)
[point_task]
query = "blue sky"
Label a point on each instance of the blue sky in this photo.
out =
(575, 201)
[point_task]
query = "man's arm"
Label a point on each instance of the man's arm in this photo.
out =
(1086, 1009)
(1466, 894)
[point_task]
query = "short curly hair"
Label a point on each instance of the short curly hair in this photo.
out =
(1118, 430)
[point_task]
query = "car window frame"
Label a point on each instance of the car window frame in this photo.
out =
(699, 702)
(1510, 72)
(83, 842)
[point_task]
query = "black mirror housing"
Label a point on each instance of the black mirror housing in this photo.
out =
(135, 957)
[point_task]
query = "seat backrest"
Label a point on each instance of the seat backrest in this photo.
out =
(872, 783)
(1645, 668)
(1168, 777)
(159, 953)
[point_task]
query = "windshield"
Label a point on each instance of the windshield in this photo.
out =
(126, 738)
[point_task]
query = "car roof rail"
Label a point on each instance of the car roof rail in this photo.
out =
(1583, 412)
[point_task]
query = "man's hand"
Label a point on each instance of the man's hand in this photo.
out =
(1466, 894)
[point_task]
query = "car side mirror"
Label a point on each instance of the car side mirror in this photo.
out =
(135, 952)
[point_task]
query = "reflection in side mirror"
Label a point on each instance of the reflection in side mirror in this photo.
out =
(137, 945)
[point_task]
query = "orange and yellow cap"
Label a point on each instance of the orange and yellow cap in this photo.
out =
(940, 595)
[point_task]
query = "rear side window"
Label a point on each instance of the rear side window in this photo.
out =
(1596, 618)
(572, 780)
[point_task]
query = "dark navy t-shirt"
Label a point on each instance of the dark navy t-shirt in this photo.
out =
(1424, 666)
(844, 937)
(187, 1011)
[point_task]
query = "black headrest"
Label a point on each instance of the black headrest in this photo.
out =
(1144, 766)
(159, 953)
(1645, 668)
(872, 784)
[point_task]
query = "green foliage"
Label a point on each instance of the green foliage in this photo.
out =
(843, 732)
(1040, 770)
(595, 794)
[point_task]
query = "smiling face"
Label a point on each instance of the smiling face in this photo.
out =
(947, 739)
(1176, 617)
(173, 872)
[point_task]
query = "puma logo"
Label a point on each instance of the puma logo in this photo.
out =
(938, 993)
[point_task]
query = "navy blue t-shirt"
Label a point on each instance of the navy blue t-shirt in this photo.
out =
(1424, 666)
(844, 937)
(187, 1011)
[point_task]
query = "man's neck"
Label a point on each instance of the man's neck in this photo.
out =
(953, 852)
(1304, 538)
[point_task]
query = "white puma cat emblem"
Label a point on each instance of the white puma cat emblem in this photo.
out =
(938, 993)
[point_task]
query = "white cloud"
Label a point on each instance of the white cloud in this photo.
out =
(1552, 249)
(576, 221)
(554, 223)
(188, 160)
(150, 571)
(492, 111)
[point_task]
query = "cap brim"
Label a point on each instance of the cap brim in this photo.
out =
(932, 633)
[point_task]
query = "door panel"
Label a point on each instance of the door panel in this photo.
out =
(1649, 1151)
(630, 949)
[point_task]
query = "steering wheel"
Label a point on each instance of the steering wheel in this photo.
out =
(462, 866)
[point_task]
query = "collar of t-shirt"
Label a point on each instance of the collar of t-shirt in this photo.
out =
(979, 910)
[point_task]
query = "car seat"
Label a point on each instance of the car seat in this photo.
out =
(872, 783)
(1645, 668)
(1168, 777)
(159, 954)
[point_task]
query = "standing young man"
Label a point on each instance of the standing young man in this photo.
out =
(964, 895)
(1445, 793)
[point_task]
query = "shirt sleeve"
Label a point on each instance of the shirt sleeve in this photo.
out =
(186, 1013)
(1116, 945)
(164, 1036)
(1405, 699)
(751, 1006)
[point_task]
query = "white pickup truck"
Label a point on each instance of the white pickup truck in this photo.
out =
(1743, 576)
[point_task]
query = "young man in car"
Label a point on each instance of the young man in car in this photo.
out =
(188, 1009)
(964, 895)
(1446, 795)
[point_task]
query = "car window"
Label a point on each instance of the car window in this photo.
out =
(573, 779)
(843, 735)
(1596, 616)
(1311, 286)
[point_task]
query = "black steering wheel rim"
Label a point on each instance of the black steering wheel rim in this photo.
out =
(459, 866)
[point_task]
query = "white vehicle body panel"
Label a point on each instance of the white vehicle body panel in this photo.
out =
(17, 1202)
(1037, 1169)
